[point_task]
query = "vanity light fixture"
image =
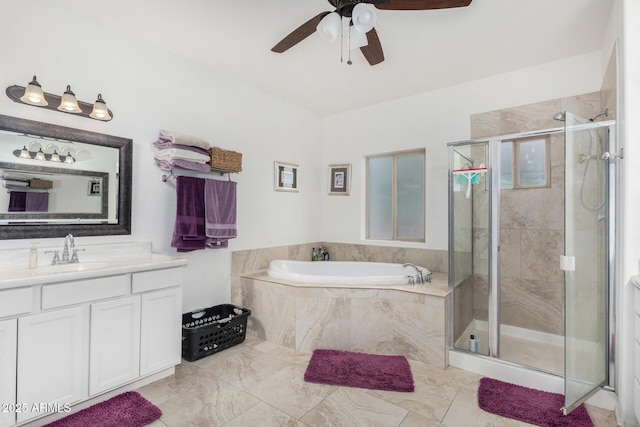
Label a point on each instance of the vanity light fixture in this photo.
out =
(42, 156)
(33, 94)
(24, 153)
(100, 110)
(67, 103)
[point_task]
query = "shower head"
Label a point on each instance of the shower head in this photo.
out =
(602, 113)
(561, 116)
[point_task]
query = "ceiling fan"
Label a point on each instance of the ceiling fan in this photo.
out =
(345, 8)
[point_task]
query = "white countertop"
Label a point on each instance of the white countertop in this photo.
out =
(95, 261)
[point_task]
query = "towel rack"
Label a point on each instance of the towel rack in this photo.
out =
(172, 175)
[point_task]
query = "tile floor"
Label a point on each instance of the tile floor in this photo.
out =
(258, 383)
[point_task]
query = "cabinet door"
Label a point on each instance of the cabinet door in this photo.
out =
(161, 330)
(114, 355)
(50, 359)
(8, 338)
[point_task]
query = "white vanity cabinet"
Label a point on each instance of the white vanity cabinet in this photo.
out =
(114, 354)
(161, 333)
(8, 346)
(66, 338)
(51, 356)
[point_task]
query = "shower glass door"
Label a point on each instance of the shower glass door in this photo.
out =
(585, 258)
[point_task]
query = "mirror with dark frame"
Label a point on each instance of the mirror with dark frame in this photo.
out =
(57, 180)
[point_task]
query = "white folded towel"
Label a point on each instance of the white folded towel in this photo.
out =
(14, 183)
(180, 138)
(179, 154)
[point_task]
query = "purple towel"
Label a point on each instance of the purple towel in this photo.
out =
(162, 143)
(220, 212)
(17, 201)
(184, 164)
(37, 202)
(189, 229)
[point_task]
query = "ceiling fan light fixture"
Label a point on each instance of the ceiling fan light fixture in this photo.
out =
(364, 17)
(329, 27)
(356, 38)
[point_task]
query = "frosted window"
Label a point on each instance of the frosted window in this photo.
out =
(506, 165)
(395, 197)
(524, 164)
(533, 163)
(380, 196)
(410, 197)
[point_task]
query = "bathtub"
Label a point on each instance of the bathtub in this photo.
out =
(342, 272)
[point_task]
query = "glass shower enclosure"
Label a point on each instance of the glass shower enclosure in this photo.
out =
(529, 251)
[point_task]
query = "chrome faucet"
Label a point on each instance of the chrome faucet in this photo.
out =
(419, 277)
(68, 244)
(69, 247)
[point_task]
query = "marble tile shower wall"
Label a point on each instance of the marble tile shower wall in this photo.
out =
(250, 260)
(531, 224)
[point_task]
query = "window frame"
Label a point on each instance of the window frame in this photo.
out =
(515, 162)
(394, 195)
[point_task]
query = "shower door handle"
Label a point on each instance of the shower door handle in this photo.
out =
(567, 263)
(607, 155)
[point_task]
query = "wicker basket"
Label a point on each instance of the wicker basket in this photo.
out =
(225, 160)
(40, 183)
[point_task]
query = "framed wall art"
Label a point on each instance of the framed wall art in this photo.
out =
(339, 179)
(286, 177)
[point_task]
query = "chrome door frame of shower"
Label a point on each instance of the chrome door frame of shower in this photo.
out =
(494, 221)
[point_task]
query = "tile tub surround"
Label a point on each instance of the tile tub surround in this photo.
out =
(252, 260)
(409, 320)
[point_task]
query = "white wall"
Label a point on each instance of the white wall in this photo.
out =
(431, 120)
(624, 25)
(149, 89)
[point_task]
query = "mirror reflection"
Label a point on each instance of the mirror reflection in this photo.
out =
(56, 180)
(31, 193)
(40, 183)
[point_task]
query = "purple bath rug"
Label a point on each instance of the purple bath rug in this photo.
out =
(373, 371)
(536, 407)
(127, 409)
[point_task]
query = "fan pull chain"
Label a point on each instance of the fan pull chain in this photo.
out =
(349, 44)
(341, 39)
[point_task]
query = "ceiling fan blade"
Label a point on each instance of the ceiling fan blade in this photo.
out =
(299, 34)
(373, 51)
(421, 4)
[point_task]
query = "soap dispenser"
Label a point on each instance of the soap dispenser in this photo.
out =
(33, 255)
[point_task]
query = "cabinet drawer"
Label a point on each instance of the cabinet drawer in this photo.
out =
(156, 279)
(85, 290)
(16, 301)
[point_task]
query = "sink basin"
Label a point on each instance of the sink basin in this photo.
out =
(66, 268)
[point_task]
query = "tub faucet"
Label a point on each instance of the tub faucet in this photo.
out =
(418, 278)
